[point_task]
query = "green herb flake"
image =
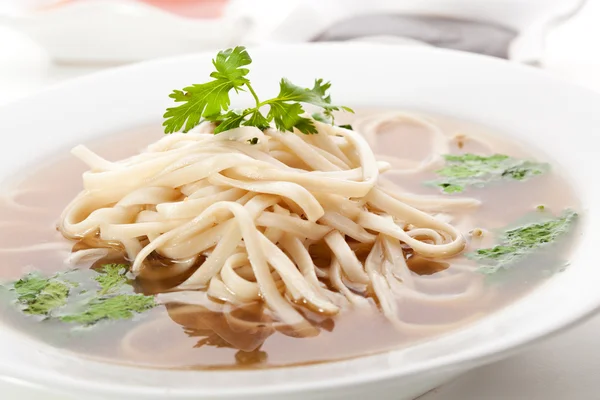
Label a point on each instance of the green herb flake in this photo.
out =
(451, 188)
(465, 170)
(123, 306)
(523, 171)
(253, 141)
(347, 126)
(104, 294)
(30, 286)
(210, 101)
(111, 278)
(41, 296)
(519, 242)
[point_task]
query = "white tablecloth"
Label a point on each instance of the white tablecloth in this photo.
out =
(565, 367)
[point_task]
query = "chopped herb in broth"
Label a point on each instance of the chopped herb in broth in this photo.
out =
(517, 243)
(122, 306)
(464, 170)
(37, 295)
(83, 297)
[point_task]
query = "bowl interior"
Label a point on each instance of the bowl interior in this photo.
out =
(547, 114)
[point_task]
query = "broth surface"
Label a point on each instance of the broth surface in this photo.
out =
(185, 336)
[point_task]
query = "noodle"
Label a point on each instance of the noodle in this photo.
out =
(250, 222)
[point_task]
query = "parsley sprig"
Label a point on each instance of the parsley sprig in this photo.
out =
(211, 100)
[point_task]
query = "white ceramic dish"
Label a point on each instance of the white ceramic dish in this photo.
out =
(556, 117)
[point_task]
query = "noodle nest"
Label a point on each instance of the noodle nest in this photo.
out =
(291, 220)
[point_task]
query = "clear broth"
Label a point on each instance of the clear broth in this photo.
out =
(180, 337)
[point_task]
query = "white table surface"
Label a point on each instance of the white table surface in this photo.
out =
(565, 367)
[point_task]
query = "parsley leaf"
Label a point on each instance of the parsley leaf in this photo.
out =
(228, 65)
(210, 101)
(229, 121)
(256, 119)
(462, 171)
(207, 100)
(316, 96)
(288, 116)
(519, 242)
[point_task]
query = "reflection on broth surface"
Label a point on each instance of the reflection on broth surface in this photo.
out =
(195, 330)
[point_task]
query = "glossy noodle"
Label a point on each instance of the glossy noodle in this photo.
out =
(253, 219)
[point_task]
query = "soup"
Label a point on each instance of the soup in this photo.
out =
(261, 240)
(178, 335)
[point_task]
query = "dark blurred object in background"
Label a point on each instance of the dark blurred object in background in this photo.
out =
(451, 33)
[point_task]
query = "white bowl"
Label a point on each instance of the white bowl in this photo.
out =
(559, 119)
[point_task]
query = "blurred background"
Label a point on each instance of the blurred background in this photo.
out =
(43, 42)
(46, 41)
